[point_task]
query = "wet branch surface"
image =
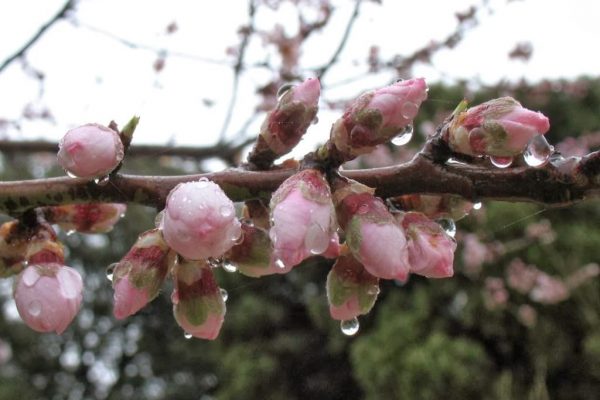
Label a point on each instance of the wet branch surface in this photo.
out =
(423, 174)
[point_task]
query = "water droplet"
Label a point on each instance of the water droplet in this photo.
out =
(403, 137)
(70, 232)
(158, 220)
(477, 206)
(283, 89)
(34, 308)
(215, 262)
(30, 276)
(373, 290)
(110, 271)
(238, 239)
(24, 263)
(226, 211)
(501, 162)
(175, 297)
(448, 226)
(229, 266)
(315, 120)
(409, 110)
(224, 294)
(279, 263)
(102, 181)
(122, 215)
(316, 240)
(71, 175)
(349, 327)
(454, 161)
(70, 283)
(538, 151)
(202, 182)
(187, 335)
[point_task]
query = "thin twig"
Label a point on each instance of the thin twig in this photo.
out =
(334, 58)
(222, 150)
(20, 52)
(237, 70)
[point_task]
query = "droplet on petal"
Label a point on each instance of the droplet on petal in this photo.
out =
(224, 294)
(316, 239)
(448, 225)
(110, 271)
(30, 277)
(538, 151)
(501, 162)
(279, 263)
(34, 308)
(409, 110)
(350, 327)
(283, 89)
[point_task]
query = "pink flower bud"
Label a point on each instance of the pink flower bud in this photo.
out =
(377, 117)
(434, 206)
(21, 244)
(90, 151)
(548, 289)
(137, 278)
(199, 220)
(351, 290)
(86, 218)
(284, 127)
(198, 305)
(253, 256)
(48, 296)
(372, 234)
(430, 249)
(303, 219)
(520, 276)
(499, 127)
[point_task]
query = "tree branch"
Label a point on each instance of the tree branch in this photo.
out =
(20, 52)
(225, 150)
(545, 185)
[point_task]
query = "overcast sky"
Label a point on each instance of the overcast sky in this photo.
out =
(91, 77)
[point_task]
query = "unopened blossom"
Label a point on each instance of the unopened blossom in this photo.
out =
(372, 234)
(21, 244)
(86, 218)
(303, 219)
(90, 151)
(253, 255)
(138, 277)
(433, 206)
(198, 305)
(430, 249)
(48, 296)
(474, 254)
(499, 127)
(351, 290)
(377, 116)
(288, 122)
(199, 220)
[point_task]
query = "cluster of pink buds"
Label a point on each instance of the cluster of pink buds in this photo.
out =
(314, 212)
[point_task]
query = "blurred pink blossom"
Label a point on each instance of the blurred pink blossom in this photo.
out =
(495, 295)
(86, 218)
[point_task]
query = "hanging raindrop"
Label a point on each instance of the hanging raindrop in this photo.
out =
(102, 181)
(224, 294)
(70, 232)
(187, 335)
(538, 151)
(501, 162)
(448, 225)
(477, 206)
(350, 327)
(229, 266)
(110, 271)
(403, 137)
(279, 263)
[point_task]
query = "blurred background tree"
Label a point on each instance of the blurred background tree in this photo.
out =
(520, 319)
